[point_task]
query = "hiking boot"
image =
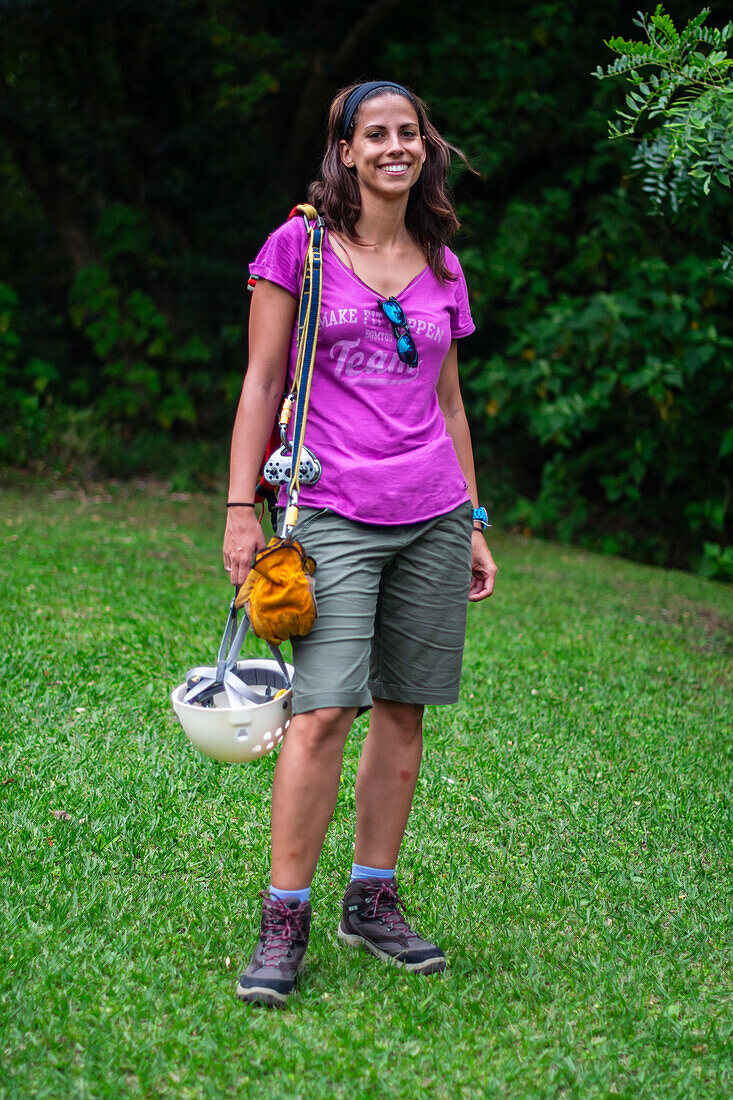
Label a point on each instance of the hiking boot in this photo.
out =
(284, 929)
(373, 914)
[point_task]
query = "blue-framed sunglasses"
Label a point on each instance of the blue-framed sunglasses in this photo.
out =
(395, 314)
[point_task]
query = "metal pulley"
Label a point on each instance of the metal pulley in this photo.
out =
(278, 469)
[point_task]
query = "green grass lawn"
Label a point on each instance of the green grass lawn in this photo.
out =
(570, 844)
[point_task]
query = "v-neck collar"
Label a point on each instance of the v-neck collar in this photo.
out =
(382, 297)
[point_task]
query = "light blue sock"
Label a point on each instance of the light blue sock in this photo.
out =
(359, 871)
(291, 895)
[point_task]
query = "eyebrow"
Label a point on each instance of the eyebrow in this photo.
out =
(381, 125)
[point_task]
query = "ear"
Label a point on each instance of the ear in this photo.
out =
(424, 150)
(346, 157)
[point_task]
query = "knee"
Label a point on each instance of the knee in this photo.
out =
(324, 727)
(402, 720)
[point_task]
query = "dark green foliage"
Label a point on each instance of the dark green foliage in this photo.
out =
(685, 93)
(146, 151)
(626, 395)
(24, 383)
(681, 95)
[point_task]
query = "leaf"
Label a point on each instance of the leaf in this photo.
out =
(726, 446)
(61, 815)
(664, 23)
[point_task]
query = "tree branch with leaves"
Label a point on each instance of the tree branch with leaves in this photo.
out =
(679, 107)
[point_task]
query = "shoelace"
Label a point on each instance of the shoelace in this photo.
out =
(282, 927)
(386, 904)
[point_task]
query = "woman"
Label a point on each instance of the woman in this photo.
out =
(393, 523)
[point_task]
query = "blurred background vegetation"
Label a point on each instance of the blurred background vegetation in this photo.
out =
(146, 150)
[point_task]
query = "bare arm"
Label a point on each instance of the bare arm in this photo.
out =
(271, 319)
(483, 567)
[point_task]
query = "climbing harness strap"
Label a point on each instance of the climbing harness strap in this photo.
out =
(309, 314)
(278, 593)
(293, 461)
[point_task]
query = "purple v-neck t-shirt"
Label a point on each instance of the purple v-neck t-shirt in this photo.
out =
(374, 422)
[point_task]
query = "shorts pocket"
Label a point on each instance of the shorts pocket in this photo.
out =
(304, 521)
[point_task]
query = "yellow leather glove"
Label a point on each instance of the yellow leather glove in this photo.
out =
(278, 595)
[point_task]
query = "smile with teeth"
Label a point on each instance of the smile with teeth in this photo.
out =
(393, 169)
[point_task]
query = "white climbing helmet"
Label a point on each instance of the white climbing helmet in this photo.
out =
(239, 710)
(236, 734)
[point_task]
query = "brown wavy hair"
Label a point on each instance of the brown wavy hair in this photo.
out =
(430, 216)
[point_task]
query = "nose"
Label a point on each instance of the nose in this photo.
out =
(395, 143)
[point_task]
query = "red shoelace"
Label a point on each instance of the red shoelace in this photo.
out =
(385, 904)
(282, 927)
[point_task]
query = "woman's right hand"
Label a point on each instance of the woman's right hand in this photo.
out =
(243, 538)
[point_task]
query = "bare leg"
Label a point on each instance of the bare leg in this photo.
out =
(386, 780)
(304, 792)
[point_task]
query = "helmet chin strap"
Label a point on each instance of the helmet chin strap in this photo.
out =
(204, 682)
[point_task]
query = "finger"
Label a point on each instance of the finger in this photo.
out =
(489, 583)
(477, 586)
(238, 575)
(482, 585)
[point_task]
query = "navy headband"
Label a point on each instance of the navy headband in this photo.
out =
(354, 99)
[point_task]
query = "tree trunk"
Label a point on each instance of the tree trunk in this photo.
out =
(71, 216)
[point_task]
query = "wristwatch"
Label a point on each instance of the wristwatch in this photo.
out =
(480, 515)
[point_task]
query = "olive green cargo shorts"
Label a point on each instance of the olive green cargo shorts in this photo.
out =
(391, 610)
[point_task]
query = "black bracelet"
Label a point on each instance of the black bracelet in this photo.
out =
(239, 504)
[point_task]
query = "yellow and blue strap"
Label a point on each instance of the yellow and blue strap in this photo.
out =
(309, 314)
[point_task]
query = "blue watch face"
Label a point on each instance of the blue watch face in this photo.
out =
(481, 514)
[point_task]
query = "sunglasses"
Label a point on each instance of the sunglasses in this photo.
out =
(395, 314)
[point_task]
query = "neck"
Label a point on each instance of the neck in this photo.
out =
(380, 224)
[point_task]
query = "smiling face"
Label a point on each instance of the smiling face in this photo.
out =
(386, 149)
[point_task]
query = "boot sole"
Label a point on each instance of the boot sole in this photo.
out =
(426, 966)
(261, 995)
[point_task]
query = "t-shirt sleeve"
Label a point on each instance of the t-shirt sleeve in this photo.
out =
(280, 260)
(461, 321)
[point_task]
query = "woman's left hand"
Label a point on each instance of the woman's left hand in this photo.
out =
(483, 569)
